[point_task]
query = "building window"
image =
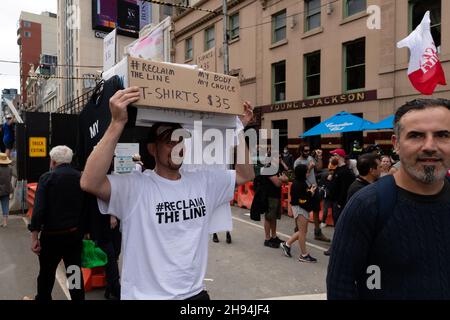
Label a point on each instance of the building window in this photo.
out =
(282, 126)
(188, 49)
(312, 14)
(27, 34)
(417, 9)
(279, 26)
(355, 64)
(354, 6)
(209, 38)
(234, 26)
(279, 81)
(27, 24)
(314, 141)
(312, 74)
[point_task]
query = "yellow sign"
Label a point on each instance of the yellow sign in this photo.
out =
(37, 147)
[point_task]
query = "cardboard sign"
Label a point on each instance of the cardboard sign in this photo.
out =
(207, 60)
(175, 86)
(37, 147)
(109, 50)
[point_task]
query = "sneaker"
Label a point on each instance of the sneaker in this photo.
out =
(277, 240)
(307, 258)
(215, 237)
(321, 237)
(328, 252)
(323, 225)
(271, 244)
(286, 249)
(228, 237)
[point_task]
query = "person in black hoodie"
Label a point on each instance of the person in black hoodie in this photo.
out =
(301, 202)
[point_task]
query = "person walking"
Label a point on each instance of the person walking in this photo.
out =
(58, 224)
(5, 186)
(166, 214)
(312, 164)
(301, 202)
(8, 135)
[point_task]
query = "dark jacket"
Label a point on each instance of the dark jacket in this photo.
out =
(60, 202)
(357, 185)
(5, 180)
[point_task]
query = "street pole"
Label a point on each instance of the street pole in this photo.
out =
(226, 67)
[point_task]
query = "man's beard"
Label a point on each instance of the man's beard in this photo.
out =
(426, 174)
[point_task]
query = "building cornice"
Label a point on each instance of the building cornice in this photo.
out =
(205, 19)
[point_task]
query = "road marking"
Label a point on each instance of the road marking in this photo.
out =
(206, 279)
(312, 245)
(320, 296)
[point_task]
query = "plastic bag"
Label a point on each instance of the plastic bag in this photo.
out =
(92, 256)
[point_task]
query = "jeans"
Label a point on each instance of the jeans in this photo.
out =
(327, 203)
(54, 248)
(5, 205)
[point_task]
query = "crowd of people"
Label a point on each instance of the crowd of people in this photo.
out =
(395, 219)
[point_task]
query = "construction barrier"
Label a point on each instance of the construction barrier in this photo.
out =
(244, 194)
(31, 195)
(93, 278)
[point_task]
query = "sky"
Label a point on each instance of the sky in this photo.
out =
(9, 50)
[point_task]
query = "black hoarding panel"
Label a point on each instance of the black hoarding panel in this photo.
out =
(37, 144)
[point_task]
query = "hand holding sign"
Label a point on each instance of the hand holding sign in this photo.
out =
(247, 116)
(119, 102)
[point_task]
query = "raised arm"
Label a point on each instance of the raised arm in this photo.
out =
(94, 178)
(244, 166)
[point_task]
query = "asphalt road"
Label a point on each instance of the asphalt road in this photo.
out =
(244, 269)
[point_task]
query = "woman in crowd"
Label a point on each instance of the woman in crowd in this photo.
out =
(301, 196)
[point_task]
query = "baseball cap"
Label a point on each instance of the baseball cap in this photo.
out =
(164, 129)
(339, 152)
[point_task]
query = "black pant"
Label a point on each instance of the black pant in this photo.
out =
(336, 213)
(203, 295)
(54, 248)
(112, 249)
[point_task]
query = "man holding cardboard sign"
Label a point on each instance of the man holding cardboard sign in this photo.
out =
(165, 214)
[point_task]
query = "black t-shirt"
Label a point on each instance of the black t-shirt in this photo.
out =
(94, 119)
(342, 179)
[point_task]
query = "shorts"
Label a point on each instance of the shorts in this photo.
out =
(273, 209)
(299, 211)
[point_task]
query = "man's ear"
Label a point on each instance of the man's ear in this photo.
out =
(394, 140)
(151, 148)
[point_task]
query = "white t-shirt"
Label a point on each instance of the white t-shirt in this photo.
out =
(311, 177)
(165, 229)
